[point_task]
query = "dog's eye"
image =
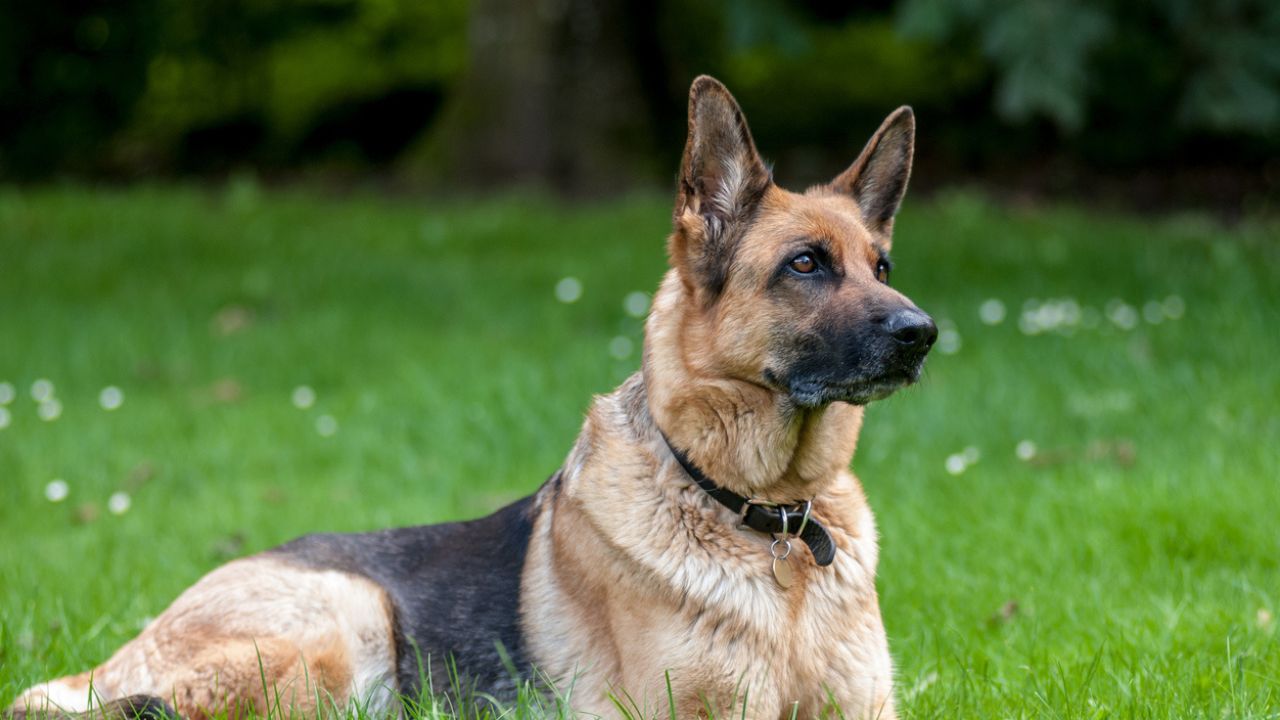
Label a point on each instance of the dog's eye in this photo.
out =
(803, 263)
(882, 271)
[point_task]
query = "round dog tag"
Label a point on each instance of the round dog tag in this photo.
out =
(782, 572)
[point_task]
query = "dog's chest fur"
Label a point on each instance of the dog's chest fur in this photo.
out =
(634, 572)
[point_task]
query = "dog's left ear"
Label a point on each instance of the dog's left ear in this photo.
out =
(877, 180)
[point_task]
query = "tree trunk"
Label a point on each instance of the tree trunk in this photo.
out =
(552, 98)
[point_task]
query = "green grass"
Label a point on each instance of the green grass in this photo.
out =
(1130, 569)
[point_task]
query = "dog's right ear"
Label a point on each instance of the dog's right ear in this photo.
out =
(722, 178)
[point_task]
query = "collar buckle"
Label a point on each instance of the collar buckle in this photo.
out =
(764, 518)
(746, 508)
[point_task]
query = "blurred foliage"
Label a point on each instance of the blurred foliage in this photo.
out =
(867, 69)
(271, 80)
(1037, 48)
(70, 75)
(203, 84)
(139, 87)
(1152, 68)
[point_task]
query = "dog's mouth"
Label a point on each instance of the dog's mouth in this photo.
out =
(815, 392)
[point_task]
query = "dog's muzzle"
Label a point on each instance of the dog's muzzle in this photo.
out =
(868, 363)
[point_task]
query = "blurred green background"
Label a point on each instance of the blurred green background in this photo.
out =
(1157, 103)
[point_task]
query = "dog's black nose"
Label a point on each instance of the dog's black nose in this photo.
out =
(911, 328)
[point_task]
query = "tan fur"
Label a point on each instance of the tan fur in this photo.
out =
(254, 635)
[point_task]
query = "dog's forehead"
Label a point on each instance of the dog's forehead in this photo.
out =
(833, 219)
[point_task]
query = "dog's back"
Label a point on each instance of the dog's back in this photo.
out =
(453, 590)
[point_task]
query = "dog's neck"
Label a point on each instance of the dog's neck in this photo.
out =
(745, 436)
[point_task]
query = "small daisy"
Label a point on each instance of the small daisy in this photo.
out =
(636, 304)
(111, 398)
(57, 490)
(303, 397)
(568, 290)
(42, 390)
(326, 426)
(620, 347)
(991, 312)
(119, 503)
(49, 410)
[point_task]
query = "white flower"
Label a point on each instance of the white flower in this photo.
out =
(49, 410)
(568, 290)
(620, 347)
(111, 398)
(326, 425)
(948, 341)
(303, 397)
(42, 390)
(7, 393)
(636, 304)
(57, 490)
(1025, 450)
(1070, 311)
(991, 312)
(956, 464)
(119, 503)
(1122, 315)
(1153, 312)
(1029, 322)
(1061, 315)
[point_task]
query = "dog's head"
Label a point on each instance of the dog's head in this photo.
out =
(791, 291)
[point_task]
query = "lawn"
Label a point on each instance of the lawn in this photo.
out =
(1079, 505)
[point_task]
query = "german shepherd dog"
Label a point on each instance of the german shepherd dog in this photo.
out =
(704, 550)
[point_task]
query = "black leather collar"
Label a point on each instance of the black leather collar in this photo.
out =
(770, 519)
